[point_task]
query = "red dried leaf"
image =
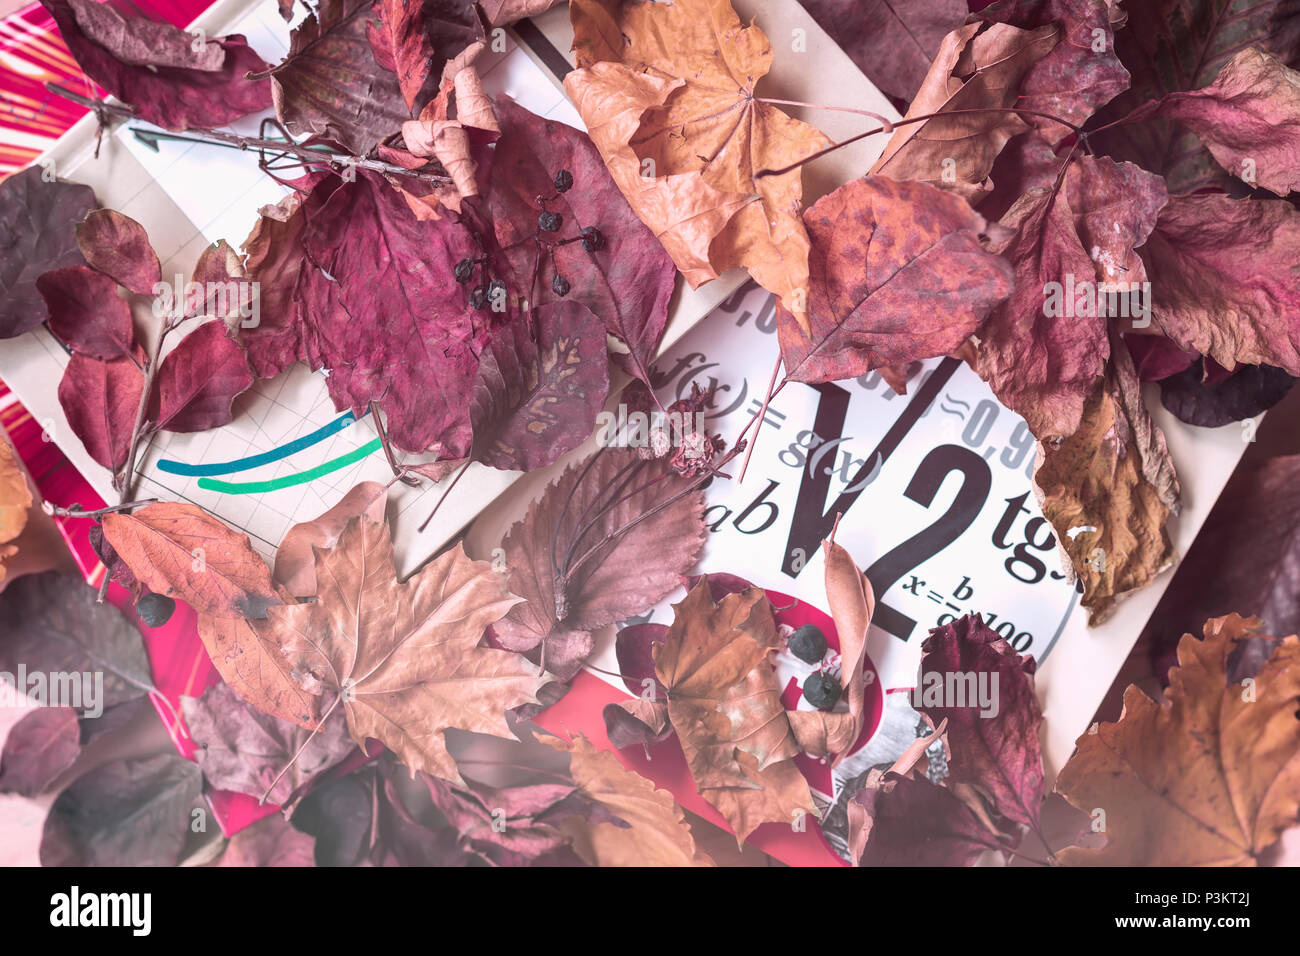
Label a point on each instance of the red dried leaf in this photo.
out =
(535, 399)
(420, 36)
(100, 400)
(198, 381)
(87, 313)
(39, 747)
(143, 63)
(36, 223)
(118, 246)
(896, 274)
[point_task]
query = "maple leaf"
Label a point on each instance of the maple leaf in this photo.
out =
(1179, 45)
(331, 84)
(687, 71)
(245, 750)
(1222, 279)
(896, 274)
(39, 748)
(1113, 475)
(997, 753)
(574, 563)
(724, 702)
(295, 563)
(178, 549)
(1081, 73)
(538, 390)
(51, 623)
(626, 279)
(368, 292)
(403, 658)
(158, 70)
(125, 813)
(252, 665)
(1042, 361)
(1209, 774)
(891, 41)
(975, 69)
(36, 236)
(419, 38)
(654, 830)
(271, 841)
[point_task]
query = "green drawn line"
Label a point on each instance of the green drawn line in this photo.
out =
(288, 481)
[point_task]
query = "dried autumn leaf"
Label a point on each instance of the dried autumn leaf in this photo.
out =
(582, 513)
(1109, 489)
(899, 820)
(125, 813)
(178, 549)
(626, 279)
(39, 747)
(244, 750)
(51, 624)
(15, 500)
(1178, 45)
(1081, 73)
(502, 13)
(197, 382)
(385, 315)
(100, 400)
(271, 841)
(117, 246)
(976, 69)
(1245, 393)
(655, 832)
(295, 564)
(145, 64)
(1249, 547)
(1043, 351)
(724, 702)
(896, 274)
(37, 235)
(996, 752)
(87, 313)
(404, 658)
(1248, 118)
(891, 41)
(699, 120)
(420, 36)
(1231, 753)
(255, 669)
(1222, 278)
(331, 84)
(538, 389)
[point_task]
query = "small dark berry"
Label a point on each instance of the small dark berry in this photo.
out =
(808, 643)
(549, 221)
(464, 270)
(592, 239)
(563, 181)
(560, 285)
(478, 298)
(155, 609)
(821, 691)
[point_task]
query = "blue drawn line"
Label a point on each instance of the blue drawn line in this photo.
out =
(253, 461)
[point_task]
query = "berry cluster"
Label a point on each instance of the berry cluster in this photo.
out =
(808, 643)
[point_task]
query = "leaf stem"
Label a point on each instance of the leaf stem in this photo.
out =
(762, 416)
(907, 121)
(298, 752)
(399, 471)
